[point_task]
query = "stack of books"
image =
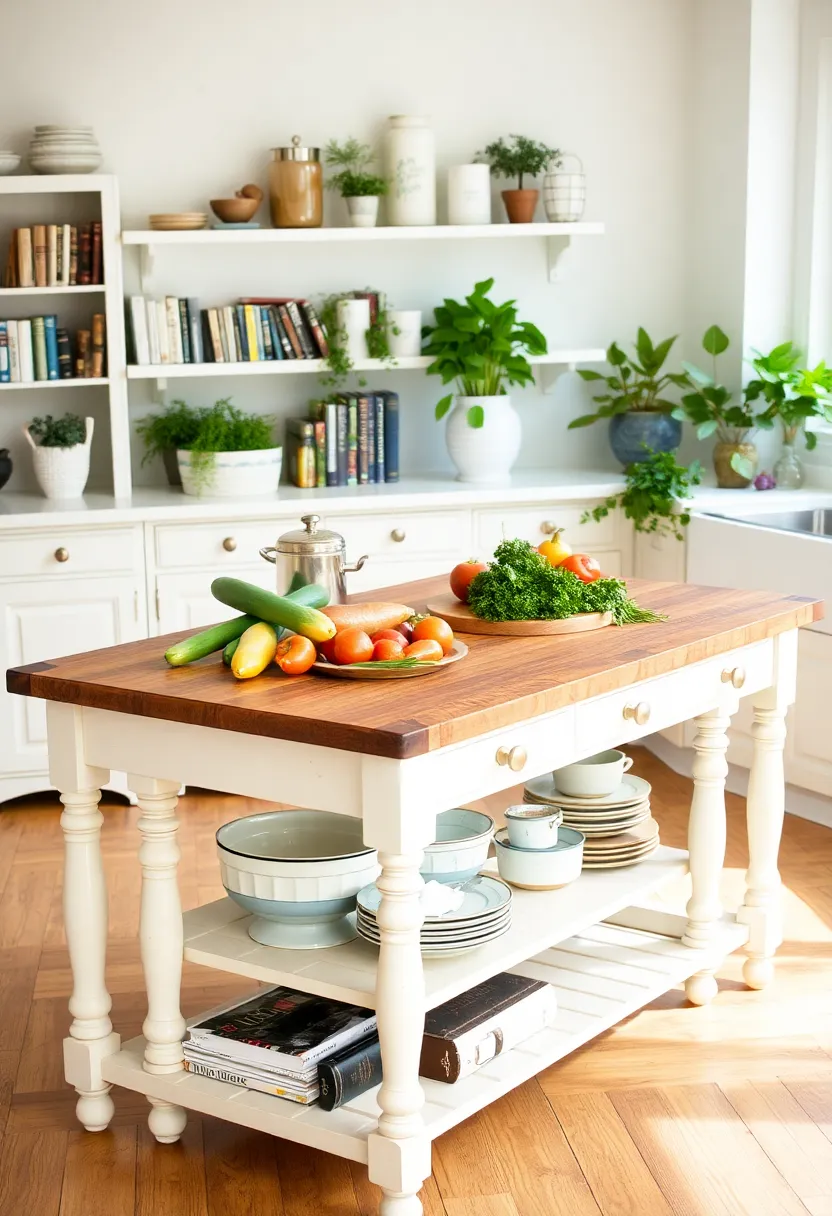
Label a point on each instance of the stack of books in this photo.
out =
(55, 255)
(351, 439)
(176, 330)
(37, 348)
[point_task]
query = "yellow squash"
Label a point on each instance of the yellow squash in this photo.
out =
(255, 651)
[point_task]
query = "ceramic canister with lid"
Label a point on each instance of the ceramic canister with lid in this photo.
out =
(411, 171)
(312, 555)
(296, 186)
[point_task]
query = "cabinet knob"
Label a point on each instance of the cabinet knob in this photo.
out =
(229, 544)
(640, 714)
(398, 535)
(548, 526)
(735, 676)
(514, 757)
(62, 554)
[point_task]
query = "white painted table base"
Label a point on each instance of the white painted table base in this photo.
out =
(399, 801)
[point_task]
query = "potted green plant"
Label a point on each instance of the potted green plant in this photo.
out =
(357, 186)
(163, 434)
(522, 157)
(482, 347)
(231, 454)
(641, 417)
(655, 495)
(356, 329)
(792, 394)
(61, 453)
(712, 410)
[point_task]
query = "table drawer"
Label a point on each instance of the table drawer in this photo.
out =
(398, 534)
(536, 523)
(608, 721)
(218, 546)
(70, 551)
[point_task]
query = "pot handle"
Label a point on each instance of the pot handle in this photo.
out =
(25, 430)
(266, 554)
(353, 569)
(90, 424)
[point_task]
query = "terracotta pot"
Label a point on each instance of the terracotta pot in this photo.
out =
(726, 477)
(520, 205)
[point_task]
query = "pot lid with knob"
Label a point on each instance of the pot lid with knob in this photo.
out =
(311, 539)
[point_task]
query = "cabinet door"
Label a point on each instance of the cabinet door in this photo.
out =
(41, 622)
(184, 601)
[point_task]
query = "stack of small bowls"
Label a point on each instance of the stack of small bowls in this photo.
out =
(9, 161)
(535, 851)
(58, 149)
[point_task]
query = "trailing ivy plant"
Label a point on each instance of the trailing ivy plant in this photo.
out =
(353, 179)
(523, 157)
(338, 361)
(655, 488)
(711, 408)
(482, 346)
(66, 432)
(176, 427)
(636, 384)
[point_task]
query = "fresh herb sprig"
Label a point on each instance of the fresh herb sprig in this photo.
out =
(657, 487)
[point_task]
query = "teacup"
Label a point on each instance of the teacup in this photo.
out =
(594, 777)
(533, 827)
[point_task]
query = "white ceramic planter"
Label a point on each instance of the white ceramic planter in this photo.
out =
(564, 194)
(363, 210)
(484, 455)
(405, 332)
(62, 472)
(233, 474)
(410, 159)
(469, 194)
(353, 323)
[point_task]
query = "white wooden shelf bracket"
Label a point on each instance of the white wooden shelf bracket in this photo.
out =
(556, 247)
(147, 262)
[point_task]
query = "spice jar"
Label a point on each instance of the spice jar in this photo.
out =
(296, 194)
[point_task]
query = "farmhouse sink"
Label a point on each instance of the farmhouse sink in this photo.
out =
(816, 521)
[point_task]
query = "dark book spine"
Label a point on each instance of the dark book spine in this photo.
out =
(64, 355)
(97, 276)
(379, 410)
(73, 256)
(371, 439)
(97, 344)
(50, 325)
(318, 332)
(5, 364)
(288, 349)
(343, 1077)
(320, 453)
(277, 345)
(308, 344)
(342, 424)
(240, 328)
(207, 343)
(85, 255)
(268, 348)
(391, 436)
(352, 440)
(195, 330)
(286, 322)
(184, 328)
(363, 440)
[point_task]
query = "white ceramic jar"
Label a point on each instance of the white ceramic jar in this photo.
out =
(405, 332)
(469, 194)
(410, 158)
(353, 318)
(484, 455)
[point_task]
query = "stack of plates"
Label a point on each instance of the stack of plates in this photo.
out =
(178, 221)
(618, 827)
(59, 149)
(484, 915)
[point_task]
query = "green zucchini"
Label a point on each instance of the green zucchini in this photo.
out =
(228, 653)
(200, 644)
(274, 609)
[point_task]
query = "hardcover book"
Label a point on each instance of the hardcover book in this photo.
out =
(363, 439)
(320, 453)
(64, 355)
(348, 1073)
(14, 352)
(138, 326)
(341, 442)
(274, 330)
(184, 331)
(51, 255)
(307, 342)
(174, 329)
(289, 329)
(25, 351)
(5, 365)
(216, 340)
(96, 274)
(39, 348)
(316, 326)
(228, 329)
(391, 436)
(195, 331)
(50, 325)
(66, 249)
(331, 418)
(97, 342)
(207, 338)
(378, 401)
(10, 273)
(25, 258)
(73, 256)
(85, 255)
(162, 330)
(251, 334)
(83, 360)
(352, 439)
(40, 254)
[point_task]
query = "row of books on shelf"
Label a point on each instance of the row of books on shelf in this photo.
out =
(176, 330)
(55, 255)
(37, 348)
(349, 440)
(309, 1049)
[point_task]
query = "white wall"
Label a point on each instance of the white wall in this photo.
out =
(187, 98)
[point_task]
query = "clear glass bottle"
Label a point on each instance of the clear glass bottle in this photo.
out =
(788, 472)
(296, 186)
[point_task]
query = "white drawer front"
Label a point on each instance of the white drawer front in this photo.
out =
(379, 572)
(70, 551)
(218, 547)
(601, 723)
(398, 534)
(536, 523)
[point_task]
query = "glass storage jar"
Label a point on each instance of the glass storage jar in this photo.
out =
(296, 194)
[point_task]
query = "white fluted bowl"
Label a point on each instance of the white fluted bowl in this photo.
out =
(461, 847)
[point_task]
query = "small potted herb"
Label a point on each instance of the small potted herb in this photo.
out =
(641, 416)
(482, 347)
(61, 453)
(520, 158)
(231, 454)
(176, 427)
(792, 395)
(656, 491)
(357, 186)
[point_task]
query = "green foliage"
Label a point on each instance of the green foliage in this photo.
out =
(790, 393)
(523, 157)
(64, 432)
(655, 488)
(710, 406)
(221, 427)
(635, 384)
(176, 427)
(352, 159)
(338, 361)
(482, 346)
(521, 585)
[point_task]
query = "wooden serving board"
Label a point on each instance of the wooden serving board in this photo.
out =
(462, 620)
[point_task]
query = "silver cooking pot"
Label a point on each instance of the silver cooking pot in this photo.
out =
(312, 555)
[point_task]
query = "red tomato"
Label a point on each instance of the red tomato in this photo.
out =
(437, 630)
(586, 568)
(386, 649)
(463, 575)
(389, 635)
(295, 655)
(427, 651)
(327, 649)
(352, 646)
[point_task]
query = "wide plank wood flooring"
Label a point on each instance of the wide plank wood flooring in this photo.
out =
(721, 1111)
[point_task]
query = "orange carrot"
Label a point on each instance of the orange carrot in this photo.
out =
(369, 617)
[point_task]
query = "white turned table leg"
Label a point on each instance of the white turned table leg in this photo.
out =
(706, 843)
(160, 936)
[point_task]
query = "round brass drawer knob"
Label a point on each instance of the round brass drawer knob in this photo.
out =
(735, 676)
(229, 544)
(640, 714)
(398, 535)
(514, 757)
(62, 555)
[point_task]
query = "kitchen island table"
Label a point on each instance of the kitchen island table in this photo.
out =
(396, 754)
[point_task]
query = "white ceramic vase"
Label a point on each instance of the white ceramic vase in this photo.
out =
(353, 322)
(253, 474)
(62, 472)
(469, 194)
(564, 194)
(363, 210)
(484, 455)
(410, 159)
(404, 334)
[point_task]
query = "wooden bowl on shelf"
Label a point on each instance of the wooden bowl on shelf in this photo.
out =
(241, 208)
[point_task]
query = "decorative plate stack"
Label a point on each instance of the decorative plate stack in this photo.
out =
(178, 221)
(618, 827)
(58, 149)
(483, 914)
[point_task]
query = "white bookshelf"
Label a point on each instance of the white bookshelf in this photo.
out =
(48, 385)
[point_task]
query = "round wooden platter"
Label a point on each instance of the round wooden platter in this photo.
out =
(355, 672)
(462, 620)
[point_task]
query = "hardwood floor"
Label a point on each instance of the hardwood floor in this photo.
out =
(719, 1111)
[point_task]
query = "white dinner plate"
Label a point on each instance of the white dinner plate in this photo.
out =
(483, 895)
(631, 790)
(439, 950)
(615, 863)
(446, 933)
(604, 815)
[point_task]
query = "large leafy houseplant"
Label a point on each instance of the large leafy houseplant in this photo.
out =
(636, 384)
(656, 488)
(64, 432)
(792, 394)
(482, 347)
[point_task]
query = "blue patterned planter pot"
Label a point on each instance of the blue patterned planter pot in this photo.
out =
(629, 433)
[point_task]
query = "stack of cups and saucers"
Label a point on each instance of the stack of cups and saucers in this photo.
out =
(602, 801)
